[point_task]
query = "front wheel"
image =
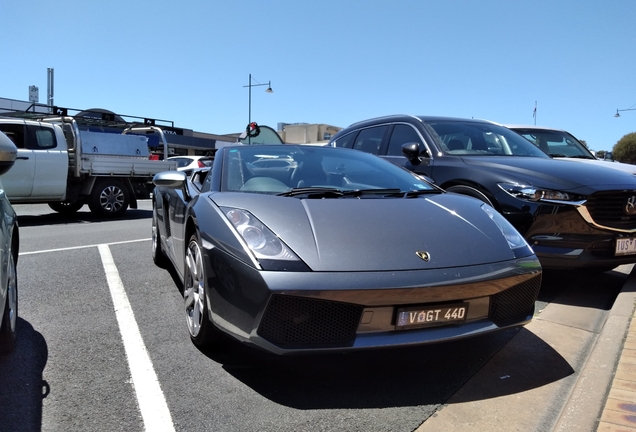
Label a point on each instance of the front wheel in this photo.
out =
(158, 256)
(470, 191)
(110, 198)
(8, 326)
(202, 331)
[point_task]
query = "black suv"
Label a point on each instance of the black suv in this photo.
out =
(573, 215)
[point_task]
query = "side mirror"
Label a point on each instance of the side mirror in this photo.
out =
(170, 179)
(8, 153)
(412, 152)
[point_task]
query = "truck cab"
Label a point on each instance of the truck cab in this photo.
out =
(41, 167)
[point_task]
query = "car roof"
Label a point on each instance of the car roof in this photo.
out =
(407, 117)
(534, 127)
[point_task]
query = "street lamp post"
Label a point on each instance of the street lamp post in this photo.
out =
(628, 109)
(249, 86)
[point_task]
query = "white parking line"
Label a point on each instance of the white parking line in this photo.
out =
(81, 247)
(151, 400)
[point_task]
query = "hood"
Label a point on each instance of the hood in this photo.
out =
(381, 234)
(558, 174)
(628, 168)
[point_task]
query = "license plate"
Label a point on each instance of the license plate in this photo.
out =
(428, 316)
(625, 246)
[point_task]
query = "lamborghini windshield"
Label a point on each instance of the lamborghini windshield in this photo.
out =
(333, 171)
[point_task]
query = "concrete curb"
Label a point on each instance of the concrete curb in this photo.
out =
(583, 409)
(554, 375)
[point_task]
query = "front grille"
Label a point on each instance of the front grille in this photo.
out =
(297, 322)
(608, 209)
(515, 303)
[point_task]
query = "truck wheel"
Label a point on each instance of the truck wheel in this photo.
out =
(109, 198)
(66, 208)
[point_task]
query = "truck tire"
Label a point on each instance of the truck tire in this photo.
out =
(109, 198)
(66, 208)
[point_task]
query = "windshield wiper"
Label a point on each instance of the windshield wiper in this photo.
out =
(418, 192)
(323, 192)
(557, 155)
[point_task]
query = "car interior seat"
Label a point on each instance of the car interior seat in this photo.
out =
(455, 144)
(309, 172)
(478, 144)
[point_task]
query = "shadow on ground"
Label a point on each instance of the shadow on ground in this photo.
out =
(22, 388)
(80, 217)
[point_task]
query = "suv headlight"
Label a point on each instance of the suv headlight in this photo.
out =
(531, 193)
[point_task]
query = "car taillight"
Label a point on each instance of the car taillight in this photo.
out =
(201, 164)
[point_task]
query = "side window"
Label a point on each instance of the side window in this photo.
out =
(370, 139)
(15, 132)
(40, 138)
(346, 140)
(402, 134)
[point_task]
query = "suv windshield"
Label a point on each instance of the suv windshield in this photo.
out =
(555, 143)
(456, 137)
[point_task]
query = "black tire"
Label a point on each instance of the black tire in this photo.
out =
(202, 331)
(66, 208)
(8, 326)
(158, 256)
(470, 191)
(110, 198)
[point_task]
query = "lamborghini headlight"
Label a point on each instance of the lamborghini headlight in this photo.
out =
(260, 239)
(512, 236)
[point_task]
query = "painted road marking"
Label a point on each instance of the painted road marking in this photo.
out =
(151, 400)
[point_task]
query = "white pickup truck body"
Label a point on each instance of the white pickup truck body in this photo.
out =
(60, 165)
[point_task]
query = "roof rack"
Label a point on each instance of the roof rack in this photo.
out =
(89, 117)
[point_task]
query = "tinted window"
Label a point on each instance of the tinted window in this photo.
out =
(181, 162)
(402, 134)
(555, 143)
(15, 132)
(40, 138)
(477, 139)
(345, 140)
(370, 139)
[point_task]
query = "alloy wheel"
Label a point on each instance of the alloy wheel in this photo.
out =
(194, 288)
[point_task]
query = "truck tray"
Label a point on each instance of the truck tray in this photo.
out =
(104, 165)
(114, 144)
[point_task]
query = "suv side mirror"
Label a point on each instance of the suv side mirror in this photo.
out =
(412, 152)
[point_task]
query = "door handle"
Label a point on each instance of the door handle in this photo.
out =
(22, 158)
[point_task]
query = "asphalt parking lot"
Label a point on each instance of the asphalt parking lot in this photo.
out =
(103, 347)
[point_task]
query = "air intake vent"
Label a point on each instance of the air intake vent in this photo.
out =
(299, 322)
(515, 303)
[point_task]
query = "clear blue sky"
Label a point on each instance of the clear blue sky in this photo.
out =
(331, 61)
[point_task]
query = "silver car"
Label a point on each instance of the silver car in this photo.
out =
(9, 245)
(309, 249)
